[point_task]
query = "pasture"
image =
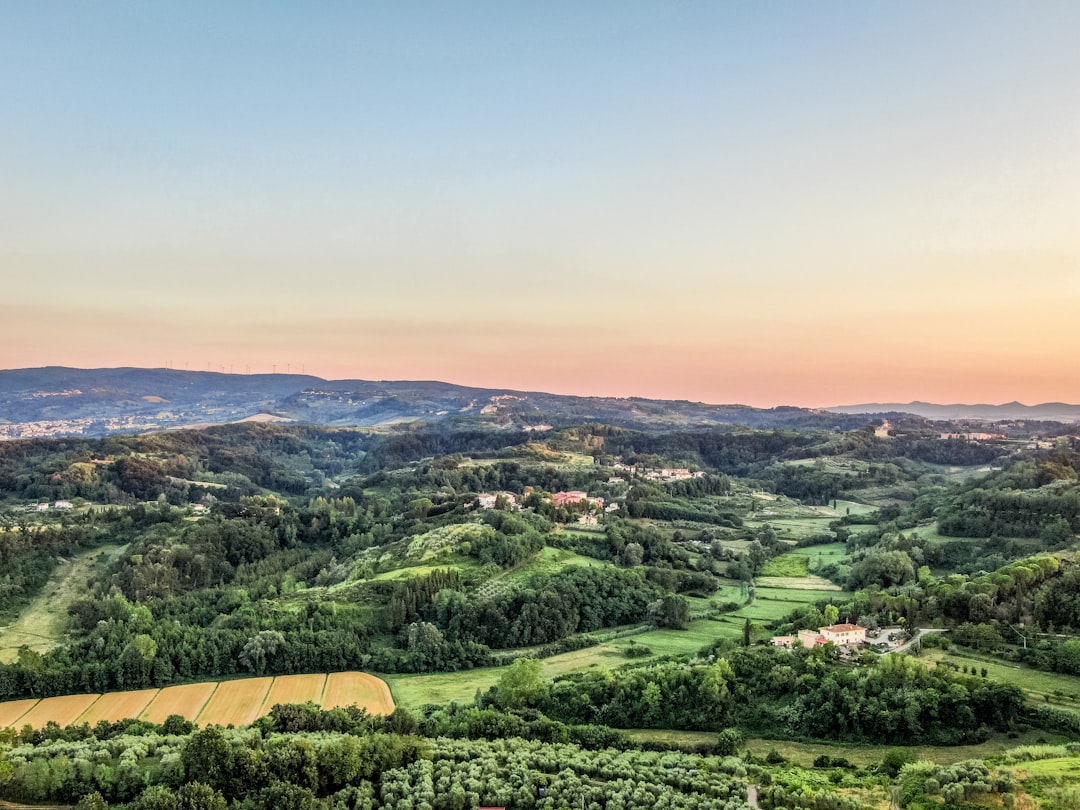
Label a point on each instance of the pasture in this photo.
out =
(237, 702)
(1049, 687)
(413, 691)
(863, 755)
(40, 625)
(550, 561)
(827, 552)
(698, 633)
(786, 565)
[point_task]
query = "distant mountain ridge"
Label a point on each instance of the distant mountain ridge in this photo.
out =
(61, 401)
(1047, 411)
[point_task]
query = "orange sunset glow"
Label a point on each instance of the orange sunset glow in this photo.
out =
(789, 204)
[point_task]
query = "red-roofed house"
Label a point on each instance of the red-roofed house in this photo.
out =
(844, 635)
(566, 498)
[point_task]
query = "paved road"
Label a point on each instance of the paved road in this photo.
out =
(918, 634)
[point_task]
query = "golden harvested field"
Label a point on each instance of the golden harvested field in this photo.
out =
(186, 701)
(237, 703)
(13, 710)
(116, 706)
(63, 710)
(296, 689)
(346, 688)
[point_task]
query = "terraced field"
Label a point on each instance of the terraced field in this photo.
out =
(237, 702)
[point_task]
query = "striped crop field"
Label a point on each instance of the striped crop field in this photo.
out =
(296, 689)
(346, 688)
(117, 705)
(238, 702)
(14, 709)
(61, 710)
(187, 701)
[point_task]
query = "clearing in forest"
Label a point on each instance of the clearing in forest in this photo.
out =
(40, 625)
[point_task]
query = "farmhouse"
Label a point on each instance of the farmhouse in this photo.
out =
(488, 500)
(567, 498)
(842, 635)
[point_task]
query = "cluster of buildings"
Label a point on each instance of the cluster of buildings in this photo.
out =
(45, 507)
(662, 474)
(489, 500)
(842, 635)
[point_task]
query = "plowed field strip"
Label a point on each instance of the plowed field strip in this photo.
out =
(347, 688)
(62, 710)
(187, 701)
(115, 706)
(236, 702)
(295, 689)
(239, 702)
(12, 711)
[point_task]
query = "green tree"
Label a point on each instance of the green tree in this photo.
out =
(92, 801)
(672, 611)
(197, 796)
(260, 648)
(523, 684)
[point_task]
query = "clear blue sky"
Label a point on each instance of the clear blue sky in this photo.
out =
(759, 202)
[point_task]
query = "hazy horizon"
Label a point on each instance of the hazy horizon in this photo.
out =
(304, 372)
(807, 204)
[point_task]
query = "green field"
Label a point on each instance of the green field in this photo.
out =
(697, 634)
(862, 755)
(765, 611)
(786, 565)
(827, 552)
(793, 528)
(416, 571)
(799, 596)
(550, 561)
(413, 691)
(1050, 687)
(40, 625)
(804, 754)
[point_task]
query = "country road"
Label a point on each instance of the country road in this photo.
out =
(918, 634)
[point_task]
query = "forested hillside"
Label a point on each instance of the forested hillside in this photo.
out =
(632, 579)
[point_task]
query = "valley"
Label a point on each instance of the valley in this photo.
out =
(601, 586)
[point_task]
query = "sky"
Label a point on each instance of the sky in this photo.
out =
(767, 203)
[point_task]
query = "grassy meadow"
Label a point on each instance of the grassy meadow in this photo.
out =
(40, 625)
